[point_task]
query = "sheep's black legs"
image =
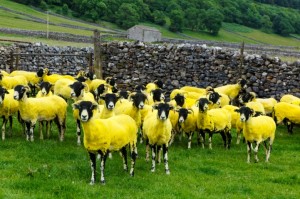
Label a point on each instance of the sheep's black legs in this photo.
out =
(210, 140)
(256, 151)
(158, 160)
(78, 131)
(124, 156)
(223, 137)
(201, 138)
(133, 159)
(3, 128)
(93, 167)
(229, 137)
(190, 139)
(102, 166)
(10, 125)
(165, 154)
(147, 149)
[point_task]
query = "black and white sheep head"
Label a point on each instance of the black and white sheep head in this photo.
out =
(183, 114)
(214, 97)
(78, 89)
(40, 72)
(138, 99)
(124, 94)
(157, 95)
(102, 88)
(45, 87)
(243, 83)
(140, 88)
(91, 75)
(163, 110)
(246, 97)
(110, 100)
(111, 81)
(85, 109)
(159, 84)
(20, 92)
(179, 99)
(245, 113)
(203, 104)
(81, 79)
(3, 91)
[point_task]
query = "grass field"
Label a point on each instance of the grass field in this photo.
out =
(52, 169)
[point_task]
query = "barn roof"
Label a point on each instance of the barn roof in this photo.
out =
(146, 28)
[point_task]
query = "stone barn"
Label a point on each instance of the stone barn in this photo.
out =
(144, 33)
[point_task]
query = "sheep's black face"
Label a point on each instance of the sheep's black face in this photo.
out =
(158, 95)
(77, 89)
(245, 113)
(140, 88)
(85, 110)
(203, 104)
(159, 84)
(19, 92)
(214, 97)
(182, 114)
(45, 87)
(40, 72)
(111, 81)
(243, 83)
(100, 89)
(114, 90)
(245, 97)
(139, 100)
(110, 100)
(90, 75)
(81, 79)
(163, 110)
(179, 100)
(3, 91)
(124, 94)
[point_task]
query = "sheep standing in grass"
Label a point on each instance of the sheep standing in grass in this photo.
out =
(232, 90)
(8, 107)
(104, 135)
(157, 132)
(10, 82)
(41, 109)
(257, 129)
(213, 121)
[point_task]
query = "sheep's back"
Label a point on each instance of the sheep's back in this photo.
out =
(221, 118)
(285, 110)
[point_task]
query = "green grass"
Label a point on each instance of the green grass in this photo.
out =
(52, 169)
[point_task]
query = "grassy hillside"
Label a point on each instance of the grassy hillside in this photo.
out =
(25, 18)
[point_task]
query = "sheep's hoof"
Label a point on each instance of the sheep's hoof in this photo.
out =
(152, 170)
(168, 172)
(132, 173)
(92, 183)
(103, 182)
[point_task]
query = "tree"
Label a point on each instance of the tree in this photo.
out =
(282, 25)
(127, 15)
(191, 18)
(213, 20)
(159, 18)
(65, 10)
(266, 24)
(176, 18)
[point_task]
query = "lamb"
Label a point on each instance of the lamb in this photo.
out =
(104, 135)
(40, 109)
(257, 129)
(10, 82)
(155, 85)
(287, 113)
(232, 90)
(8, 107)
(187, 121)
(157, 132)
(213, 121)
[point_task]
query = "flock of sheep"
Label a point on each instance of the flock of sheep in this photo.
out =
(112, 119)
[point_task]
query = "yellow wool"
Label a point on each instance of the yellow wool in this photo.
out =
(4, 73)
(289, 98)
(10, 82)
(259, 128)
(9, 105)
(175, 92)
(190, 124)
(55, 77)
(285, 110)
(201, 91)
(157, 131)
(268, 104)
(150, 87)
(214, 120)
(231, 90)
(39, 94)
(95, 83)
(109, 134)
(62, 88)
(127, 107)
(257, 107)
(31, 77)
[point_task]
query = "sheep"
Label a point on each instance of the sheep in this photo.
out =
(31, 77)
(267, 103)
(110, 102)
(40, 109)
(287, 113)
(187, 121)
(8, 107)
(53, 78)
(155, 85)
(45, 89)
(213, 121)
(10, 82)
(290, 99)
(232, 90)
(157, 132)
(104, 135)
(235, 121)
(67, 89)
(257, 129)
(155, 96)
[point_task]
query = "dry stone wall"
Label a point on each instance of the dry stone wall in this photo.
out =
(177, 65)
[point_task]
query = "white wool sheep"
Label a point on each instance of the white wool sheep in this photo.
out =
(104, 135)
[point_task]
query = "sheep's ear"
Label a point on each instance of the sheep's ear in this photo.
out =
(75, 106)
(26, 88)
(171, 107)
(85, 86)
(5, 90)
(94, 106)
(71, 85)
(190, 111)
(237, 110)
(155, 107)
(252, 112)
(102, 97)
(197, 103)
(177, 110)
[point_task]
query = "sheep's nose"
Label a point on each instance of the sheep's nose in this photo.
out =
(15, 97)
(110, 106)
(84, 117)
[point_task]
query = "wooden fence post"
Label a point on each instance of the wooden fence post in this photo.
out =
(97, 53)
(90, 61)
(241, 58)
